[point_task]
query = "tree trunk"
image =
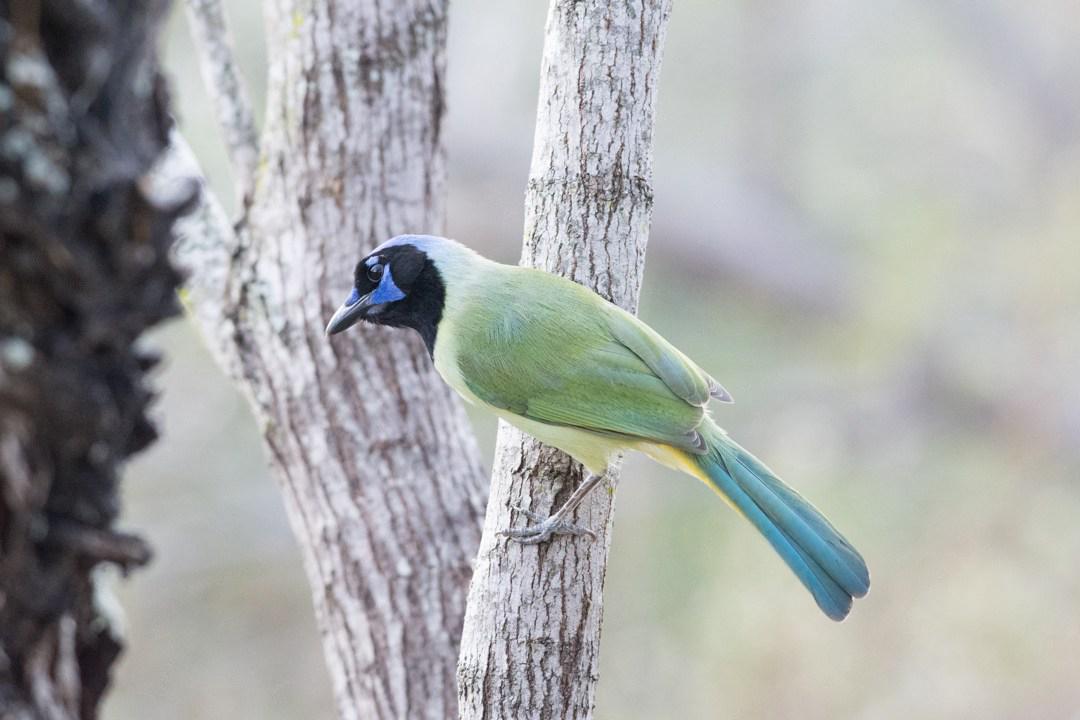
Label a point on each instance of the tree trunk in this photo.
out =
(84, 270)
(530, 646)
(380, 472)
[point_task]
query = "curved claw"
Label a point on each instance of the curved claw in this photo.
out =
(544, 529)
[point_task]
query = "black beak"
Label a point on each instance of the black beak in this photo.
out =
(348, 315)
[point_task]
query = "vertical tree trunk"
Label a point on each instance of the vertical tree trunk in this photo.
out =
(84, 270)
(530, 647)
(377, 462)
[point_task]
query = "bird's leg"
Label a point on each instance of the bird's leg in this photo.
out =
(557, 523)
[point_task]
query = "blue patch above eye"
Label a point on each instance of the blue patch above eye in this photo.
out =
(387, 291)
(354, 297)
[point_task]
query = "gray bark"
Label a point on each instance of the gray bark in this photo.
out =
(530, 646)
(377, 462)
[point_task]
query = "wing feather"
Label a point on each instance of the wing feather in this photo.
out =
(678, 372)
(550, 350)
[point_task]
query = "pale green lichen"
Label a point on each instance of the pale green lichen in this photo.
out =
(16, 353)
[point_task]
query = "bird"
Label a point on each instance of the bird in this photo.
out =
(581, 374)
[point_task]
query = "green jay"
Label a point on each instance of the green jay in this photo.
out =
(581, 374)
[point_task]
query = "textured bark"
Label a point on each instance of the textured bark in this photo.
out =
(84, 271)
(530, 646)
(380, 471)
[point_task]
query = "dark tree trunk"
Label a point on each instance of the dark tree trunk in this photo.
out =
(84, 271)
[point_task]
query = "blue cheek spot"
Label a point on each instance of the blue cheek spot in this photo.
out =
(387, 291)
(354, 297)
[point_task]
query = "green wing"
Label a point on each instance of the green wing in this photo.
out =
(548, 349)
(677, 371)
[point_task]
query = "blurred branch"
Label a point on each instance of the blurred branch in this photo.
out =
(206, 249)
(97, 544)
(227, 90)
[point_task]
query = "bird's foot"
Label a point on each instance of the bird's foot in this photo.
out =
(544, 528)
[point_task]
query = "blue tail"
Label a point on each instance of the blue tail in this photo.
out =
(830, 568)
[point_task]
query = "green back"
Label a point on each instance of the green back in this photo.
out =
(550, 350)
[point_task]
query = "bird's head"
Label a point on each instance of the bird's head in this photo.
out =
(398, 284)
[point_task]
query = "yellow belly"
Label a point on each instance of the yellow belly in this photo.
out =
(595, 451)
(673, 458)
(592, 450)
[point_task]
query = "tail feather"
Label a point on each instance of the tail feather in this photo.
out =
(826, 563)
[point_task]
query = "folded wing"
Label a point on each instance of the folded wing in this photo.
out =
(556, 353)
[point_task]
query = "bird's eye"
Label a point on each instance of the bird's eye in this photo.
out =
(374, 273)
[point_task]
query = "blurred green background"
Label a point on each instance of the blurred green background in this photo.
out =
(866, 225)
